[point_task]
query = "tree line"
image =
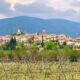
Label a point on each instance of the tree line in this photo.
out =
(50, 50)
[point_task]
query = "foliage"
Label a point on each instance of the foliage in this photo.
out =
(49, 54)
(50, 45)
(12, 44)
(29, 41)
(34, 51)
(35, 44)
(3, 54)
(73, 57)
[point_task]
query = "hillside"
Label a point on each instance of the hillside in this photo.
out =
(32, 25)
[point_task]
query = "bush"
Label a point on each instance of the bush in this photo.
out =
(49, 54)
(73, 57)
(3, 54)
(10, 54)
(49, 45)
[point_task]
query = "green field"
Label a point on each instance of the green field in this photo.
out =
(40, 71)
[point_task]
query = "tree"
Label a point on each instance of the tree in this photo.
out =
(73, 57)
(12, 44)
(42, 44)
(30, 41)
(50, 45)
(49, 54)
(34, 53)
(35, 44)
(3, 54)
(10, 54)
(66, 51)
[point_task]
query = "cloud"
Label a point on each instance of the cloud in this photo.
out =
(41, 10)
(66, 13)
(34, 8)
(2, 16)
(68, 9)
(63, 4)
(76, 3)
(22, 2)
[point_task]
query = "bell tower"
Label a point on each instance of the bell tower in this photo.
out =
(18, 31)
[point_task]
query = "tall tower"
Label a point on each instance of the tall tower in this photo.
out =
(18, 31)
(44, 32)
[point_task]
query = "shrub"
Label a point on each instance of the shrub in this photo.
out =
(73, 57)
(49, 45)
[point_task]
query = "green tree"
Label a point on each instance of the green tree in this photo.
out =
(10, 54)
(30, 41)
(3, 54)
(73, 57)
(12, 44)
(34, 51)
(42, 43)
(50, 45)
(49, 54)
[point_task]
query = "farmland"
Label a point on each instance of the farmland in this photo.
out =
(40, 70)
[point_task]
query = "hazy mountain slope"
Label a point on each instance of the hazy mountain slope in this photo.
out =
(32, 25)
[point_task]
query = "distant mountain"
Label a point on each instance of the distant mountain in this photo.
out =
(32, 25)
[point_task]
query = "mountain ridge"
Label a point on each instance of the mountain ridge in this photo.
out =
(32, 25)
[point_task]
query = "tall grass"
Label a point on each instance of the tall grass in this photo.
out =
(40, 70)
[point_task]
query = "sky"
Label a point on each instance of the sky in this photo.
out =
(46, 9)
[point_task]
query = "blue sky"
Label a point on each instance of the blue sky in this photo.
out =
(67, 9)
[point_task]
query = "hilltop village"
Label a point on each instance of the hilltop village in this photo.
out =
(19, 36)
(36, 46)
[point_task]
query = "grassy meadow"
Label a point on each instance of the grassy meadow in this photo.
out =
(40, 70)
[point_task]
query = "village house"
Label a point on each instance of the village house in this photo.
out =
(5, 39)
(70, 42)
(62, 38)
(77, 42)
(2, 42)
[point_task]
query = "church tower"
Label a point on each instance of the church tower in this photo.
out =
(44, 32)
(18, 31)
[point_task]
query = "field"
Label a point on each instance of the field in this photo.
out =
(40, 70)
